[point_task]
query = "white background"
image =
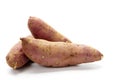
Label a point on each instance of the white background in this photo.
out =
(92, 22)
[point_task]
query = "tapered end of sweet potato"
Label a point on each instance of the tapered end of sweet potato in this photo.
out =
(98, 55)
(37, 27)
(91, 54)
(25, 40)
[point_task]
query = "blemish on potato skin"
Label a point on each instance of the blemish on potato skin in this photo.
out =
(30, 41)
(57, 63)
(43, 57)
(15, 65)
(72, 55)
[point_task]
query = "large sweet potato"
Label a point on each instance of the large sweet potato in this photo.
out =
(58, 54)
(42, 30)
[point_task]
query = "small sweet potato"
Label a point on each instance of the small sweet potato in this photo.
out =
(16, 58)
(58, 54)
(42, 30)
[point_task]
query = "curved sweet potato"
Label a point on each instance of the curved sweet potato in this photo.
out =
(58, 54)
(42, 30)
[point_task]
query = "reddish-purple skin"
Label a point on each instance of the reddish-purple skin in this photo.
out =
(58, 54)
(16, 57)
(42, 30)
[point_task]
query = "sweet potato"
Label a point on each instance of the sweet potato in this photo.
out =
(42, 30)
(58, 54)
(16, 58)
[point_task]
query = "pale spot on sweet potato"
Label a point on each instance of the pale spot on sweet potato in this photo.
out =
(57, 63)
(43, 57)
(15, 65)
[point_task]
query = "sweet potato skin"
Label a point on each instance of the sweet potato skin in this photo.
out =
(16, 57)
(42, 30)
(58, 54)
